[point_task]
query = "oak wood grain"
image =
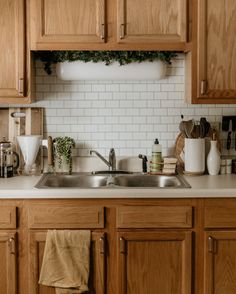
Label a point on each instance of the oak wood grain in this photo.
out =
(154, 217)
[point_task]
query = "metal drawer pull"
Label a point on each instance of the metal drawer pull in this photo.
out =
(12, 245)
(103, 31)
(122, 245)
(122, 31)
(102, 245)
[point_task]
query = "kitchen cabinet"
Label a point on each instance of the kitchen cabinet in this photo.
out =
(12, 46)
(155, 262)
(8, 249)
(97, 267)
(211, 62)
(220, 247)
(8, 278)
(13, 78)
(108, 25)
(220, 266)
(151, 21)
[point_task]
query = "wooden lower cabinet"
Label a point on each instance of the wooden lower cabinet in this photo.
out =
(97, 273)
(8, 279)
(220, 262)
(154, 262)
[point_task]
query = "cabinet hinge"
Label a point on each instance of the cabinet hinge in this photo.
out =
(210, 244)
(122, 245)
(21, 87)
(203, 87)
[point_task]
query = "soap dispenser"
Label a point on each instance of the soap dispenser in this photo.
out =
(156, 163)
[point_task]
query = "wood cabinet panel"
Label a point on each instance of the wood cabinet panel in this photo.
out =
(154, 262)
(211, 62)
(154, 216)
(12, 44)
(97, 267)
(220, 266)
(8, 280)
(67, 21)
(59, 216)
(7, 217)
(220, 215)
(152, 21)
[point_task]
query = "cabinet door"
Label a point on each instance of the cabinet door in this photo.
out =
(217, 49)
(151, 21)
(154, 262)
(12, 59)
(97, 270)
(8, 263)
(67, 21)
(220, 262)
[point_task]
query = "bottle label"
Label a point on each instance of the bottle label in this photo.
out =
(156, 157)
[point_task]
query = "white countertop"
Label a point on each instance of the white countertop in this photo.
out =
(22, 187)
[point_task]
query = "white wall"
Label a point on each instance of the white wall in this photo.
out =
(125, 115)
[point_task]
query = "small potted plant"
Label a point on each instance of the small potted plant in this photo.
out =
(62, 147)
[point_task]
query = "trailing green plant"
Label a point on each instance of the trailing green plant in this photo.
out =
(62, 150)
(108, 57)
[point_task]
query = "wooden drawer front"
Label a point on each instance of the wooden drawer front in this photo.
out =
(220, 216)
(154, 217)
(7, 217)
(65, 217)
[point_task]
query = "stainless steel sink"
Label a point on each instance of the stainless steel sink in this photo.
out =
(87, 180)
(72, 181)
(151, 181)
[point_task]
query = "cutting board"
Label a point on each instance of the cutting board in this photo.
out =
(22, 121)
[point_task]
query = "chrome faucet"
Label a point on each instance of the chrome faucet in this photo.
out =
(112, 158)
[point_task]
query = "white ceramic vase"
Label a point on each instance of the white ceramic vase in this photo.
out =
(213, 159)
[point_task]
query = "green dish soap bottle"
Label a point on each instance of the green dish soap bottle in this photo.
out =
(156, 162)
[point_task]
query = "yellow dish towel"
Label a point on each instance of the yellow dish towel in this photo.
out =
(66, 261)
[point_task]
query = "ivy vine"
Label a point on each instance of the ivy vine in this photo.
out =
(62, 149)
(108, 57)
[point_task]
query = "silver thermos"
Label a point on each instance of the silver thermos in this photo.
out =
(9, 159)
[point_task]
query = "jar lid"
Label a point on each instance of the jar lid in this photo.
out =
(5, 144)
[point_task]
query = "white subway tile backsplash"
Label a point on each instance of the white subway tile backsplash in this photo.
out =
(126, 115)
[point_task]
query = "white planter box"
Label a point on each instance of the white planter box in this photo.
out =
(79, 70)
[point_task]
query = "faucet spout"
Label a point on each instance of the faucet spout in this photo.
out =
(101, 157)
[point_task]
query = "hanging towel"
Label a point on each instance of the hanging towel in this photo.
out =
(66, 261)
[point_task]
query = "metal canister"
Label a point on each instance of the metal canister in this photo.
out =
(9, 159)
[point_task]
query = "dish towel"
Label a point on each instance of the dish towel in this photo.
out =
(66, 261)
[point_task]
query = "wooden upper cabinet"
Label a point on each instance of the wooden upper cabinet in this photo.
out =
(107, 24)
(67, 21)
(215, 59)
(152, 21)
(12, 44)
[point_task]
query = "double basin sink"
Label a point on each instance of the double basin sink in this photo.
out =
(111, 180)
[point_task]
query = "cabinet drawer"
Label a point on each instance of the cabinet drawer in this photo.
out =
(154, 217)
(65, 217)
(7, 217)
(220, 216)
